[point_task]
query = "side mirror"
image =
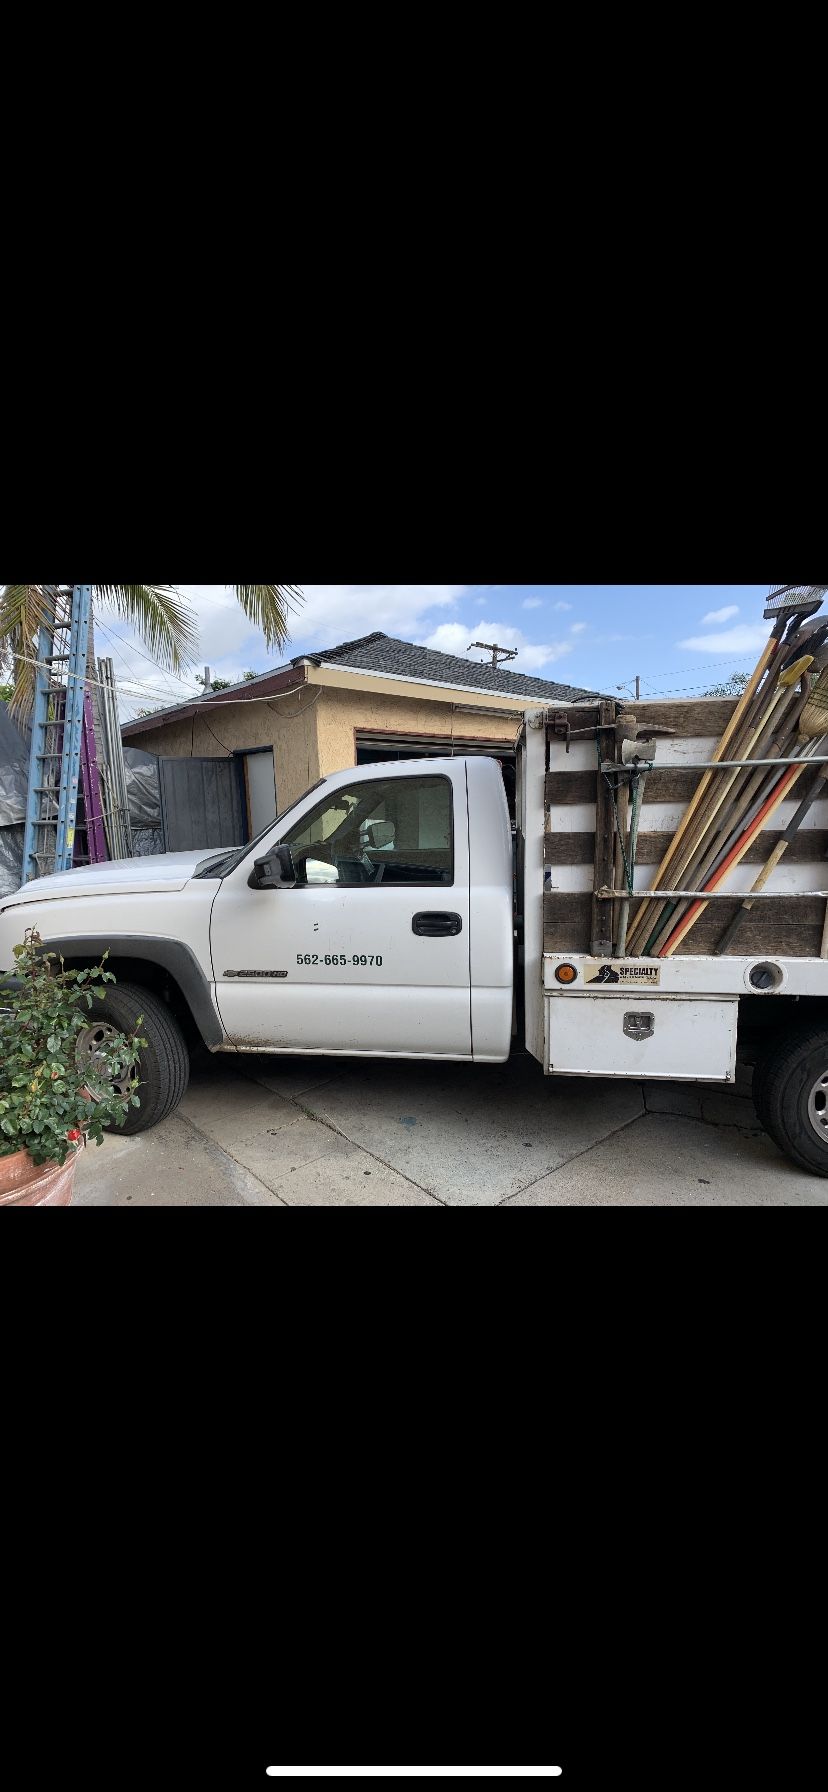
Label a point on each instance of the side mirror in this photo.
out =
(275, 871)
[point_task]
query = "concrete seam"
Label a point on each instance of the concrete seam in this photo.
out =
(374, 1155)
(223, 1152)
(564, 1165)
(303, 1113)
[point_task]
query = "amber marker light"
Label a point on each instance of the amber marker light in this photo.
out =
(565, 973)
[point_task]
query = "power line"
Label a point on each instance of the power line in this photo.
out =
(160, 673)
(706, 666)
(110, 633)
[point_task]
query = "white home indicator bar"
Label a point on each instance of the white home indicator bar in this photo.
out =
(504, 1773)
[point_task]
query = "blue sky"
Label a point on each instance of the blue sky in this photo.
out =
(678, 638)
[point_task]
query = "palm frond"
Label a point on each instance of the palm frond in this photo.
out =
(268, 607)
(24, 610)
(166, 624)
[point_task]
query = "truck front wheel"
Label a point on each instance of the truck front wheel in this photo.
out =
(790, 1094)
(163, 1068)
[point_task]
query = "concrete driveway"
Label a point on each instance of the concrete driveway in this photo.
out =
(275, 1132)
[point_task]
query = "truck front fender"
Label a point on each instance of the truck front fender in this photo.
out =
(171, 955)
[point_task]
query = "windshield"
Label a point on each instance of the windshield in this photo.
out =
(220, 864)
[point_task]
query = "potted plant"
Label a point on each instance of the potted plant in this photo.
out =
(47, 1107)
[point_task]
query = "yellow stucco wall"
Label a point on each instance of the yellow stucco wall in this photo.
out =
(312, 730)
(342, 712)
(288, 724)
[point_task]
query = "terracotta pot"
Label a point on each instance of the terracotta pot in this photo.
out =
(25, 1184)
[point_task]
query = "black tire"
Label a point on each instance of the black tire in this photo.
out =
(760, 1071)
(783, 1081)
(164, 1065)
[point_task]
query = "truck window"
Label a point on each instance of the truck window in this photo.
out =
(391, 831)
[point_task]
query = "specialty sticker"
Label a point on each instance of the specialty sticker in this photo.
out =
(622, 971)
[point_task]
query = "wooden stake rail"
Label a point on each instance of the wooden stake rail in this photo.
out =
(606, 895)
(711, 765)
(583, 868)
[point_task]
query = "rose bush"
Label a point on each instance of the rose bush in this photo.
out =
(45, 1103)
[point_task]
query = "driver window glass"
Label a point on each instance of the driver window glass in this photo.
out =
(392, 831)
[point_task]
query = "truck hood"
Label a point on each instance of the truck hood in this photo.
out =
(165, 871)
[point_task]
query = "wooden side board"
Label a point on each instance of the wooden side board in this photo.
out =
(575, 922)
(776, 926)
(810, 846)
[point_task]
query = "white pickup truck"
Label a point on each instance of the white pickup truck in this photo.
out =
(391, 913)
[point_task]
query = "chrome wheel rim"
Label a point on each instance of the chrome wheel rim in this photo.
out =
(818, 1108)
(89, 1062)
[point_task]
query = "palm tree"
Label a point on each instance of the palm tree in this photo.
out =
(166, 624)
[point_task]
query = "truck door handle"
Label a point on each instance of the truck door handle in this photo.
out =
(431, 923)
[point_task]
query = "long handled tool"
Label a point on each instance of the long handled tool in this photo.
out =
(734, 857)
(743, 791)
(788, 606)
(639, 755)
(808, 719)
(701, 837)
(771, 863)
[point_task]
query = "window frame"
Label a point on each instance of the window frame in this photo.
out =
(371, 784)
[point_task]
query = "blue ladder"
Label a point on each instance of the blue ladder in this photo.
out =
(57, 732)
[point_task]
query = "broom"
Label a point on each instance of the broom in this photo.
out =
(814, 718)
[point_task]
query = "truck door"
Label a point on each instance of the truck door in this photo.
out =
(369, 952)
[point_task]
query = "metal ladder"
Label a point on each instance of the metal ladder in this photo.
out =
(57, 738)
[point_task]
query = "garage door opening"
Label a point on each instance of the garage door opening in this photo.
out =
(378, 748)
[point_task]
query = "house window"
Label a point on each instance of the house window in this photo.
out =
(388, 831)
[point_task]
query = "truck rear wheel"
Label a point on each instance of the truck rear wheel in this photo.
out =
(790, 1094)
(163, 1068)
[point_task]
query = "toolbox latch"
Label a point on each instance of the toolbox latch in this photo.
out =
(638, 1024)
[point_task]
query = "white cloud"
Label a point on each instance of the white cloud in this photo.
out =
(534, 603)
(454, 637)
(745, 638)
(721, 615)
(562, 606)
(333, 613)
(577, 628)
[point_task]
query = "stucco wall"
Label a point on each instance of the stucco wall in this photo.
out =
(288, 724)
(341, 713)
(312, 731)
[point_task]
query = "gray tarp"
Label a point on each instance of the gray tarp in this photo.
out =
(14, 784)
(143, 788)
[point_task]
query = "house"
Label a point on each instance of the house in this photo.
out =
(368, 700)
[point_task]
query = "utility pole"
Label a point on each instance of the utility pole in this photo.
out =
(497, 653)
(625, 687)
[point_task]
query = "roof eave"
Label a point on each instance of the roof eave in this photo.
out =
(271, 685)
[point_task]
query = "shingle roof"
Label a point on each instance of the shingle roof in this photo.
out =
(382, 653)
(379, 653)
